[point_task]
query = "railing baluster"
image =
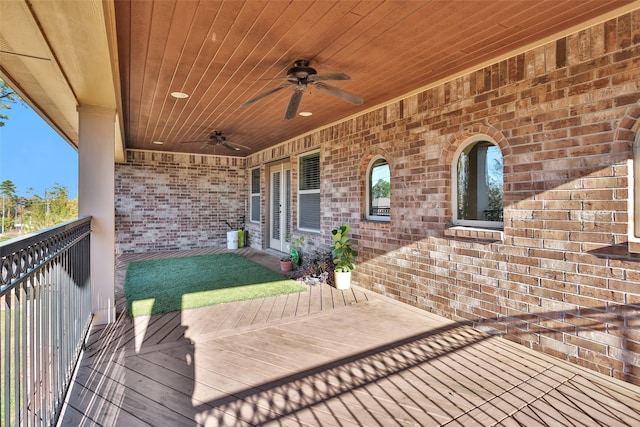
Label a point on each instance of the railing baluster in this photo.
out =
(33, 374)
(38, 346)
(16, 355)
(23, 360)
(45, 303)
(6, 373)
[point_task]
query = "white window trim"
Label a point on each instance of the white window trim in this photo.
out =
(634, 197)
(368, 192)
(454, 187)
(299, 159)
(251, 195)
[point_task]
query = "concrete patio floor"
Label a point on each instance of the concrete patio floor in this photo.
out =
(329, 358)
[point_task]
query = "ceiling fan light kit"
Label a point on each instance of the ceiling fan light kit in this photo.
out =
(301, 76)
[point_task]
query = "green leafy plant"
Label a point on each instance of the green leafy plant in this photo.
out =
(342, 251)
(295, 247)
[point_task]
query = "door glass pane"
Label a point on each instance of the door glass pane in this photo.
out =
(287, 204)
(275, 203)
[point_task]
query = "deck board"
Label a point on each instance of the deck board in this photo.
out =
(315, 302)
(328, 358)
(277, 308)
(291, 306)
(249, 314)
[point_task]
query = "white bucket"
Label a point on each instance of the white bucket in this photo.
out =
(232, 239)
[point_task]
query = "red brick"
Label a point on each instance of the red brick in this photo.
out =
(563, 254)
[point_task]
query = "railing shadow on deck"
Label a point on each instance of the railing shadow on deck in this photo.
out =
(276, 400)
(282, 398)
(287, 398)
(432, 363)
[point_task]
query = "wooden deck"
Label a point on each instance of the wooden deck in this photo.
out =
(328, 358)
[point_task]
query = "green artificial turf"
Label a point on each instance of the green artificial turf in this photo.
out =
(166, 285)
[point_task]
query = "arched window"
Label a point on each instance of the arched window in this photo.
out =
(478, 174)
(379, 190)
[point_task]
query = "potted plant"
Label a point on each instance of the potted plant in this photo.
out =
(286, 263)
(343, 256)
(292, 260)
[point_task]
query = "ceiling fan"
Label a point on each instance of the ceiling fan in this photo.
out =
(217, 138)
(301, 76)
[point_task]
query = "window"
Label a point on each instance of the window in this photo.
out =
(309, 193)
(478, 195)
(255, 195)
(379, 190)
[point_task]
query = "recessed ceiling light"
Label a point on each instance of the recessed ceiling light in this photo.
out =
(305, 113)
(158, 142)
(179, 95)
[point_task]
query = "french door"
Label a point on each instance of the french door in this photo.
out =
(279, 206)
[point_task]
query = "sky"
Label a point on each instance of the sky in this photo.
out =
(33, 155)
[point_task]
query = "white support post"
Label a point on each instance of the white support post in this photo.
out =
(96, 194)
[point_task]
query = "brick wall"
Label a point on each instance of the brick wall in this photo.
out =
(560, 277)
(177, 201)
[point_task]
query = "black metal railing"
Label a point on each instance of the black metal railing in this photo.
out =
(381, 211)
(45, 313)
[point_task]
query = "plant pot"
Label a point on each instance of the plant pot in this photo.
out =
(342, 279)
(232, 239)
(286, 265)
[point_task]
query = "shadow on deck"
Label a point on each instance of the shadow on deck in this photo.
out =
(329, 357)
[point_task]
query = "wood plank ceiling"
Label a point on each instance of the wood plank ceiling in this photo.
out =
(223, 53)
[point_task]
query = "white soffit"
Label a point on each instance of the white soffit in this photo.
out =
(76, 69)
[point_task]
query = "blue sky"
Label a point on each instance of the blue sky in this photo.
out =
(33, 155)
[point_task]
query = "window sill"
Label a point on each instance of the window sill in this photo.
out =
(634, 246)
(486, 234)
(307, 231)
(368, 224)
(385, 220)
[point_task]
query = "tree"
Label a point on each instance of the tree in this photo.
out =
(54, 208)
(496, 189)
(8, 191)
(7, 97)
(381, 189)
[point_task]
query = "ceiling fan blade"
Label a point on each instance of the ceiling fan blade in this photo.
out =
(226, 145)
(332, 76)
(294, 103)
(265, 94)
(342, 94)
(192, 142)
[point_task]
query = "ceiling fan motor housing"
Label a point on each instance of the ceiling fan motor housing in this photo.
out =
(301, 70)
